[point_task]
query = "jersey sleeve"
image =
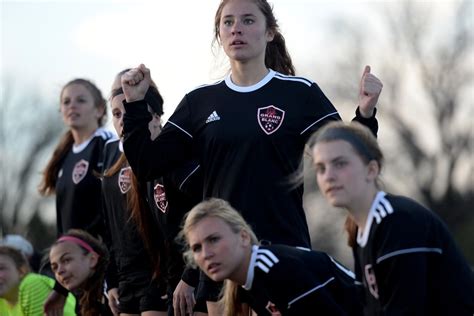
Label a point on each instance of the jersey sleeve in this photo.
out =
(370, 122)
(317, 111)
(152, 159)
(401, 266)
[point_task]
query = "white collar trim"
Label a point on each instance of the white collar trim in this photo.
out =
(258, 85)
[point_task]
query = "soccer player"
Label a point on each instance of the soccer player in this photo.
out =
(404, 254)
(248, 130)
(271, 279)
(143, 220)
(71, 171)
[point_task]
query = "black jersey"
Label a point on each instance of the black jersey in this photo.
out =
(127, 249)
(249, 141)
(297, 281)
(78, 192)
(409, 263)
(170, 197)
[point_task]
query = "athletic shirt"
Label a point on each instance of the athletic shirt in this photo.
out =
(78, 194)
(131, 261)
(249, 141)
(409, 263)
(170, 198)
(297, 281)
(33, 292)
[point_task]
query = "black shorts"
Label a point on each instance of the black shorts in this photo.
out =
(208, 290)
(138, 298)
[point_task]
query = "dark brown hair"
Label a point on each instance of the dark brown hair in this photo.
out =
(50, 174)
(276, 53)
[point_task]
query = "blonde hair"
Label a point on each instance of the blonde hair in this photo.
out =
(218, 208)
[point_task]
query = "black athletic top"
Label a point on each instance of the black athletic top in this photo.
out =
(169, 198)
(297, 281)
(409, 263)
(249, 140)
(78, 189)
(129, 257)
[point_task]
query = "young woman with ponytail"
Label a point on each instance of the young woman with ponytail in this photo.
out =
(248, 129)
(79, 262)
(71, 173)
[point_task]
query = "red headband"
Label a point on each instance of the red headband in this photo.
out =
(78, 241)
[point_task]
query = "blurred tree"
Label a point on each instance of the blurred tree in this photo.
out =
(423, 52)
(29, 127)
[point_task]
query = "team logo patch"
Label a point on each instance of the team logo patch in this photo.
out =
(371, 280)
(272, 309)
(270, 118)
(160, 197)
(80, 171)
(125, 179)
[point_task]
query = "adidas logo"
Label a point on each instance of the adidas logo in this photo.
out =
(213, 117)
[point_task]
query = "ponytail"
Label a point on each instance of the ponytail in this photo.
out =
(277, 56)
(50, 174)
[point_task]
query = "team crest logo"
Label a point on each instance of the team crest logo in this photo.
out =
(371, 280)
(160, 197)
(272, 309)
(79, 171)
(125, 179)
(270, 118)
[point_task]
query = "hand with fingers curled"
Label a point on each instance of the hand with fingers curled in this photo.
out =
(183, 299)
(369, 92)
(114, 301)
(135, 83)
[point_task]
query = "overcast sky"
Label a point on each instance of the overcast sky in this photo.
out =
(44, 44)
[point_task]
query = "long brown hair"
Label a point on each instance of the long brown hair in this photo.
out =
(140, 213)
(218, 208)
(364, 144)
(50, 174)
(92, 288)
(276, 53)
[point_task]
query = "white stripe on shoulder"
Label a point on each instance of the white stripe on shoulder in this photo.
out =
(318, 120)
(104, 133)
(342, 268)
(408, 250)
(206, 85)
(309, 292)
(293, 78)
(180, 128)
(189, 175)
(112, 140)
(363, 236)
(265, 260)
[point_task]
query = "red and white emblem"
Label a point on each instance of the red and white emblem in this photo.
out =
(371, 280)
(160, 197)
(270, 118)
(80, 171)
(125, 179)
(272, 309)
